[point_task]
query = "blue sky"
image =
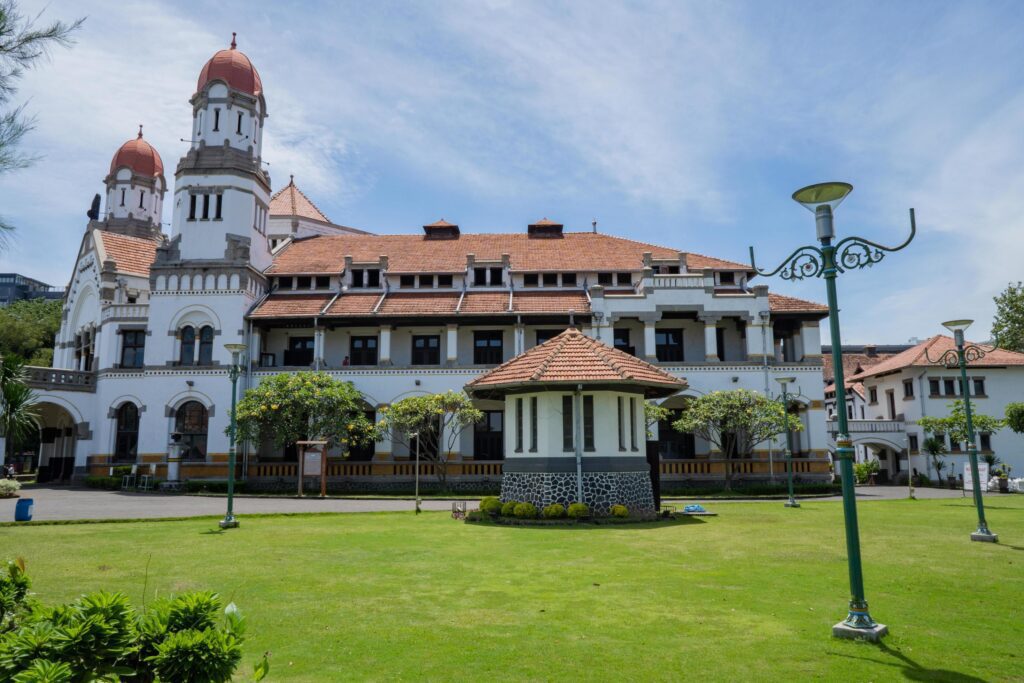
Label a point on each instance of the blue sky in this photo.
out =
(684, 124)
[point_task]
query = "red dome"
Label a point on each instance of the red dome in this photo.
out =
(234, 68)
(140, 156)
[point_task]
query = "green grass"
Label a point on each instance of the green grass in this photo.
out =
(749, 595)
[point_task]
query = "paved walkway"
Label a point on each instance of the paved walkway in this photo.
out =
(64, 503)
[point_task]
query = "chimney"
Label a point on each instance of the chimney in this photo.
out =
(544, 228)
(870, 350)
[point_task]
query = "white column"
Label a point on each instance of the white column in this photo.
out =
(384, 356)
(452, 344)
(650, 344)
(777, 343)
(710, 340)
(759, 341)
(519, 339)
(318, 347)
(810, 337)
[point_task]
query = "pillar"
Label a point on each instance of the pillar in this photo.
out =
(810, 337)
(318, 347)
(759, 341)
(711, 350)
(650, 322)
(452, 344)
(384, 356)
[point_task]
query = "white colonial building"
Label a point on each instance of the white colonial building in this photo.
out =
(140, 354)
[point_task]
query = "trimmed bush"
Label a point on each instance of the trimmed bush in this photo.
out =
(579, 511)
(106, 483)
(525, 511)
(9, 488)
(620, 511)
(509, 508)
(554, 511)
(491, 505)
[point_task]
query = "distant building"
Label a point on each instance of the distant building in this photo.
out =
(15, 287)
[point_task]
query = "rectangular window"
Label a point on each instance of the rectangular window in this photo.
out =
(357, 278)
(668, 345)
(568, 279)
(986, 441)
(872, 395)
(632, 424)
(427, 281)
(372, 277)
(545, 335)
(588, 423)
(487, 347)
(217, 211)
(567, 424)
(122, 203)
(933, 387)
(133, 347)
(191, 206)
(533, 424)
(444, 280)
(720, 343)
(605, 278)
(949, 387)
(912, 438)
(363, 351)
(426, 350)
(531, 280)
(479, 277)
(621, 340)
(908, 388)
(622, 426)
(407, 281)
(299, 352)
(303, 282)
(284, 283)
(623, 278)
(550, 279)
(519, 425)
(979, 387)
(323, 282)
(489, 436)
(206, 207)
(142, 197)
(238, 128)
(727, 278)
(495, 277)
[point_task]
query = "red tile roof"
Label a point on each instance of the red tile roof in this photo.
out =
(234, 68)
(354, 304)
(574, 251)
(573, 358)
(553, 302)
(934, 348)
(291, 306)
(485, 302)
(140, 156)
(779, 303)
(291, 201)
(410, 303)
(133, 255)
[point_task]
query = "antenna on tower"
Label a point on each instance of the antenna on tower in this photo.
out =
(593, 225)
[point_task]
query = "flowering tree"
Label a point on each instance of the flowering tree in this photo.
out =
(436, 420)
(305, 406)
(955, 424)
(735, 421)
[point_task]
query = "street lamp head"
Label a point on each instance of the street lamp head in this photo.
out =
(236, 350)
(957, 327)
(784, 381)
(822, 199)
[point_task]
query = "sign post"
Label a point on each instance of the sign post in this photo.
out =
(313, 463)
(982, 478)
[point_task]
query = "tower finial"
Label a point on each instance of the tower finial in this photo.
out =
(140, 131)
(233, 43)
(291, 179)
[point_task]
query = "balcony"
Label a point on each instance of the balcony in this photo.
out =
(125, 312)
(55, 379)
(892, 433)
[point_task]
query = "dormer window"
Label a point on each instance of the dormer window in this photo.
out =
(605, 278)
(427, 281)
(480, 277)
(488, 277)
(444, 280)
(623, 278)
(666, 270)
(366, 278)
(303, 282)
(550, 279)
(284, 283)
(407, 281)
(568, 279)
(323, 282)
(530, 280)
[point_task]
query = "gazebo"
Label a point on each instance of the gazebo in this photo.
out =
(574, 423)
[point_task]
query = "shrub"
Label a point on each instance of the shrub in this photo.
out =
(9, 487)
(525, 511)
(106, 483)
(509, 508)
(863, 470)
(121, 471)
(491, 505)
(579, 511)
(554, 511)
(620, 511)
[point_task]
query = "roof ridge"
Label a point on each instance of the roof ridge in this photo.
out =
(539, 372)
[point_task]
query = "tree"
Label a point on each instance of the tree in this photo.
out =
(935, 448)
(735, 422)
(437, 421)
(18, 414)
(653, 414)
(22, 44)
(955, 424)
(1015, 417)
(28, 330)
(1008, 324)
(305, 406)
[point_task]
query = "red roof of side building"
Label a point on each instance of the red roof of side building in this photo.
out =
(574, 251)
(291, 201)
(935, 348)
(574, 358)
(779, 303)
(133, 255)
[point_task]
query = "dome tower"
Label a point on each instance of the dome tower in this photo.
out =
(135, 187)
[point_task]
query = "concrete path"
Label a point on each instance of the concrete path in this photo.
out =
(65, 503)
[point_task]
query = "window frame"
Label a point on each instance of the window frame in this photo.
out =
(519, 425)
(665, 352)
(483, 353)
(568, 424)
(364, 352)
(187, 340)
(137, 349)
(205, 338)
(589, 440)
(189, 439)
(126, 435)
(427, 354)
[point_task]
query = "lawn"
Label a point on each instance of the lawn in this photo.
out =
(749, 595)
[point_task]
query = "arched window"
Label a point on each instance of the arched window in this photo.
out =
(126, 446)
(206, 345)
(188, 346)
(191, 421)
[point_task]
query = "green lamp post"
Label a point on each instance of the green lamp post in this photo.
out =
(234, 370)
(785, 382)
(959, 358)
(850, 253)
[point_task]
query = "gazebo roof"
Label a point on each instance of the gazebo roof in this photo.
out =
(573, 358)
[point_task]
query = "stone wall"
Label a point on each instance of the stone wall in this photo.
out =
(601, 490)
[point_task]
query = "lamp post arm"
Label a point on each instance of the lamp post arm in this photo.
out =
(856, 252)
(807, 261)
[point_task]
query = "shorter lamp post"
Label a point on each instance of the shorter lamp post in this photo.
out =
(416, 435)
(234, 370)
(959, 358)
(785, 382)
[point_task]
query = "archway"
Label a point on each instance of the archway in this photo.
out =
(56, 457)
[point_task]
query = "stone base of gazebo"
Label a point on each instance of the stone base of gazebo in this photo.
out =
(606, 482)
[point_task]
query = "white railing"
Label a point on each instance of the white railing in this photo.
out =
(869, 426)
(125, 312)
(677, 281)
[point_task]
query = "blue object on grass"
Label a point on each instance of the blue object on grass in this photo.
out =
(23, 510)
(694, 508)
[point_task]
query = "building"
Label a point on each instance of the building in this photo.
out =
(15, 287)
(140, 354)
(889, 394)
